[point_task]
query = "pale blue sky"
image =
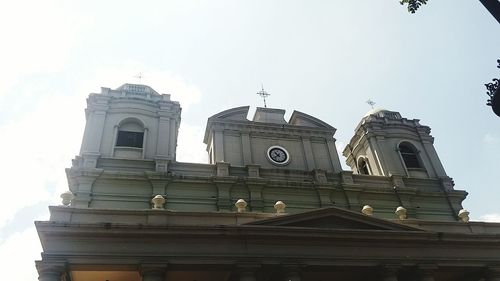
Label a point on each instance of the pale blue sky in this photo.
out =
(324, 58)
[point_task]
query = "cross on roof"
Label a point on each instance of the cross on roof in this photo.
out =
(139, 76)
(370, 102)
(263, 94)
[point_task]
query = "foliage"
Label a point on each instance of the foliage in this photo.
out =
(413, 5)
(492, 88)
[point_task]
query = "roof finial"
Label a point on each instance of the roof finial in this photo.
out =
(139, 77)
(370, 102)
(263, 94)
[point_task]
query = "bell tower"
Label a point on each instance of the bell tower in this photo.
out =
(132, 127)
(387, 144)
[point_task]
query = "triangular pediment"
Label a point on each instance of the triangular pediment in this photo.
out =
(334, 218)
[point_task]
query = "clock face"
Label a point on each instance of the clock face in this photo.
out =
(278, 155)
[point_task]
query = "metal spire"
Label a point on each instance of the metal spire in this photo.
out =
(263, 94)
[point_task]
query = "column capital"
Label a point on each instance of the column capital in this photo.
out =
(50, 271)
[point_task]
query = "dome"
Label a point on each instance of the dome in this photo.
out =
(383, 113)
(375, 111)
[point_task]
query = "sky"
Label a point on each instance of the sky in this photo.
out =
(323, 58)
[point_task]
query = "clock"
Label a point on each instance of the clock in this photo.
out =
(278, 155)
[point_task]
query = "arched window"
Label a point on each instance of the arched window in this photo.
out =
(130, 136)
(409, 155)
(363, 167)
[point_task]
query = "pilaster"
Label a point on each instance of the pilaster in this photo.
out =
(334, 156)
(323, 188)
(158, 183)
(246, 148)
(224, 182)
(434, 159)
(163, 142)
(351, 190)
(84, 179)
(218, 142)
(172, 146)
(255, 187)
(309, 156)
(253, 171)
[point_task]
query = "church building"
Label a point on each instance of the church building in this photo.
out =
(273, 203)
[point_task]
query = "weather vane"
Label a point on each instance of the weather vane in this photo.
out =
(370, 102)
(139, 77)
(263, 94)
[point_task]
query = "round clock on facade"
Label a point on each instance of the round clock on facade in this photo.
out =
(278, 155)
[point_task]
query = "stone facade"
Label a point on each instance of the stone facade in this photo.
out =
(272, 204)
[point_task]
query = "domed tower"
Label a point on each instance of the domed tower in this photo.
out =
(387, 144)
(131, 128)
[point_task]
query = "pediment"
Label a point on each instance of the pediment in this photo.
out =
(301, 119)
(334, 218)
(237, 113)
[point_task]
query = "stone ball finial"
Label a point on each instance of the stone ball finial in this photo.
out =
(401, 212)
(67, 197)
(241, 205)
(158, 202)
(367, 210)
(464, 215)
(280, 207)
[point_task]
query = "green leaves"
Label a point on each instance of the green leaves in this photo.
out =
(413, 5)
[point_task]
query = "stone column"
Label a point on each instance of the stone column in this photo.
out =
(50, 271)
(153, 272)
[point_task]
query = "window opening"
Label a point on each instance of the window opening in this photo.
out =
(130, 139)
(363, 167)
(409, 156)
